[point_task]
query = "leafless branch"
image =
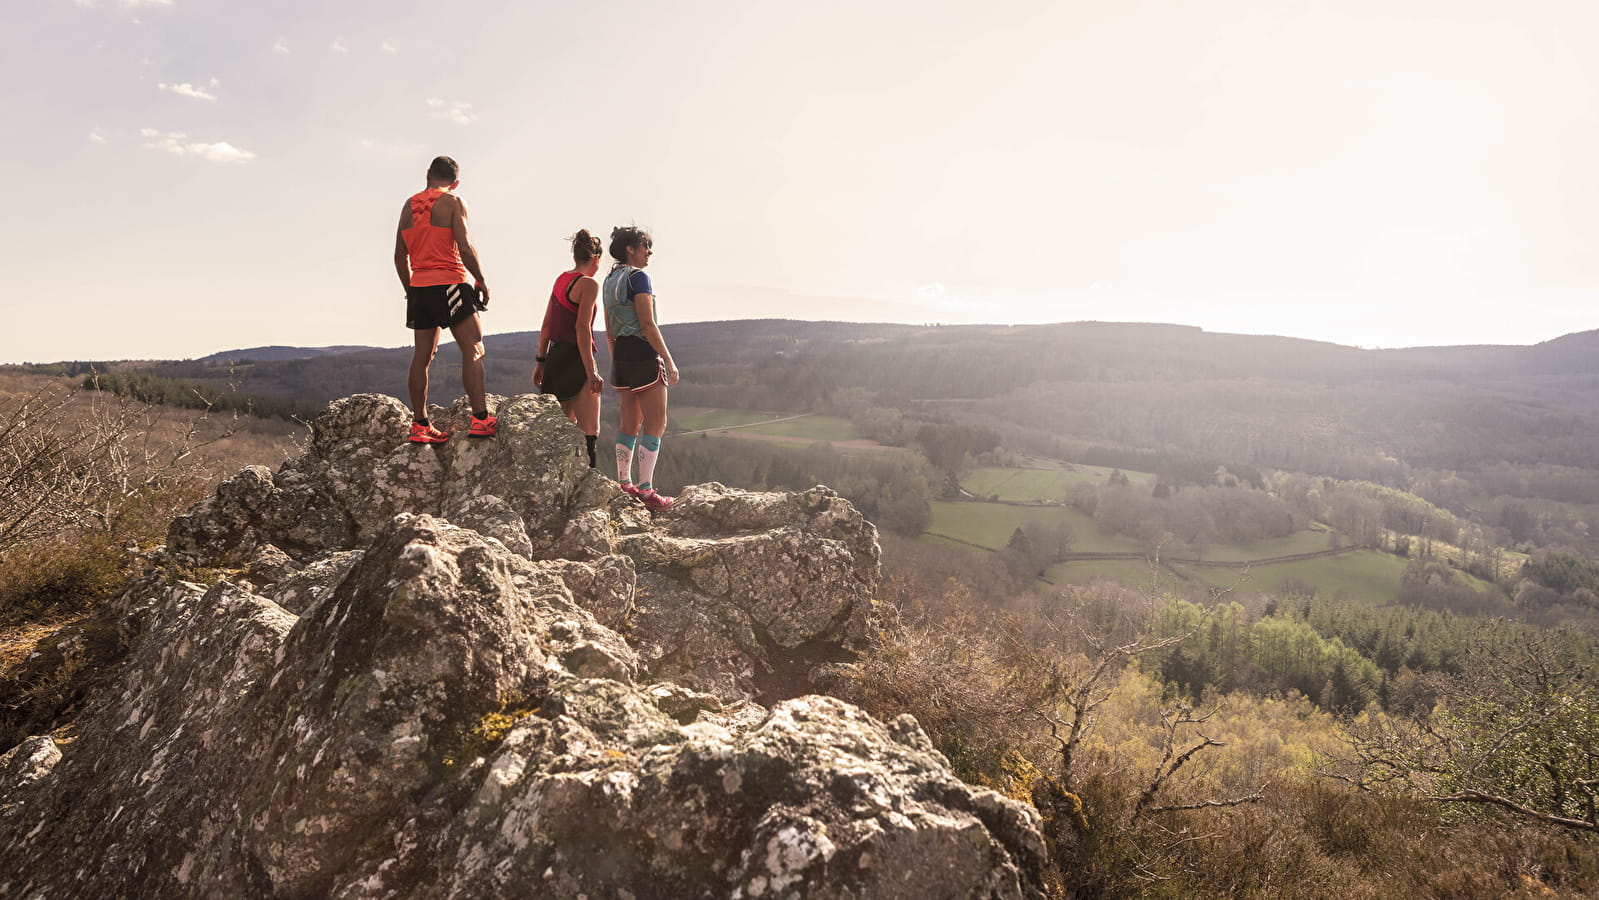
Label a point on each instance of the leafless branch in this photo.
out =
(1473, 796)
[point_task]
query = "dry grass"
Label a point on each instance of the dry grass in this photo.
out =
(56, 638)
(231, 442)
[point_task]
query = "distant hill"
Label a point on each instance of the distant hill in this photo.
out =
(279, 354)
(1525, 415)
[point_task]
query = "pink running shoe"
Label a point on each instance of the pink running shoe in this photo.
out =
(655, 501)
(630, 489)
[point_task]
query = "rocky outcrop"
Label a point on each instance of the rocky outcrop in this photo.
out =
(479, 669)
(738, 594)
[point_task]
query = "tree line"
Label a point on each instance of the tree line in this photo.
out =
(195, 395)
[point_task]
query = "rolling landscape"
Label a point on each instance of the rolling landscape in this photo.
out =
(1363, 461)
(1122, 451)
(1094, 525)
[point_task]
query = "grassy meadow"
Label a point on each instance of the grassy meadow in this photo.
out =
(1368, 575)
(1040, 484)
(807, 427)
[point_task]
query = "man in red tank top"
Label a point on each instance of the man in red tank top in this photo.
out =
(432, 254)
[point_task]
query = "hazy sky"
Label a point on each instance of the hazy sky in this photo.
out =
(196, 175)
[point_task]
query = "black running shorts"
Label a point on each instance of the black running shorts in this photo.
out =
(636, 367)
(564, 375)
(440, 305)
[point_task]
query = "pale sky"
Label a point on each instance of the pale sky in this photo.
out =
(188, 176)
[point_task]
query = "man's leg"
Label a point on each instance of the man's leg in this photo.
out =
(469, 337)
(427, 344)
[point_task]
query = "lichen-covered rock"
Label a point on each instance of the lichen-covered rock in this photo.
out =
(745, 595)
(304, 586)
(445, 719)
(480, 669)
(29, 761)
(599, 795)
(223, 528)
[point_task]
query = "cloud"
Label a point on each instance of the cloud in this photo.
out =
(178, 144)
(930, 291)
(281, 47)
(338, 47)
(457, 111)
(390, 48)
(186, 89)
(126, 4)
(95, 137)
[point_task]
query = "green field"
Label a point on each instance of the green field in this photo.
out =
(1040, 484)
(1311, 541)
(1130, 572)
(991, 525)
(699, 418)
(816, 428)
(1367, 575)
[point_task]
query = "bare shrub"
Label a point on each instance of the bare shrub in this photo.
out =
(971, 688)
(75, 463)
(1517, 732)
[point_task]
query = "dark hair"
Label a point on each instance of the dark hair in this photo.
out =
(625, 238)
(444, 169)
(585, 246)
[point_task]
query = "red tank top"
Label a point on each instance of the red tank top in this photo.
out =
(434, 257)
(560, 317)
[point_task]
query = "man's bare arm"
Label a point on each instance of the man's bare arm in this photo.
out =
(402, 256)
(463, 242)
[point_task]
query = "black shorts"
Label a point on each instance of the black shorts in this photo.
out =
(635, 366)
(564, 375)
(440, 305)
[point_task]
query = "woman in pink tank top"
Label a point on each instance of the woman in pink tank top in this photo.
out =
(565, 360)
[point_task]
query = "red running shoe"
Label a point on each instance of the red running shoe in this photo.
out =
(427, 434)
(630, 489)
(654, 500)
(487, 426)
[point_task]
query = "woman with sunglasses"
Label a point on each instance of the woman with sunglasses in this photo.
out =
(641, 365)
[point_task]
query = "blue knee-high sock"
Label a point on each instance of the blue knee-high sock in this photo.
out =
(649, 449)
(624, 456)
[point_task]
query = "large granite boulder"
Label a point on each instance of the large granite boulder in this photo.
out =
(448, 720)
(479, 669)
(743, 595)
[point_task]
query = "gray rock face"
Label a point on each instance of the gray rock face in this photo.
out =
(739, 594)
(478, 669)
